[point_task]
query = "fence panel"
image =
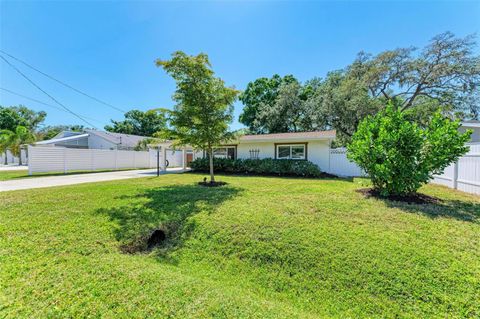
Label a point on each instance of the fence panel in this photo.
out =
(104, 159)
(57, 159)
(340, 165)
(463, 175)
(46, 159)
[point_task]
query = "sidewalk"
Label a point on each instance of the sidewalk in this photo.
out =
(15, 167)
(50, 181)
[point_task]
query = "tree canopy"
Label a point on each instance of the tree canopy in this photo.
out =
(13, 116)
(444, 75)
(141, 123)
(204, 105)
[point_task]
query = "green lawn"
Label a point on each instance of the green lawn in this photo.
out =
(260, 247)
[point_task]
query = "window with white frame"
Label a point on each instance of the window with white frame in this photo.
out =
(294, 151)
(224, 152)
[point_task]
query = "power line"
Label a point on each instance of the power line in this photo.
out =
(51, 97)
(63, 83)
(46, 104)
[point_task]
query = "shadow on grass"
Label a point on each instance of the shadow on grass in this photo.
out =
(293, 177)
(456, 209)
(167, 208)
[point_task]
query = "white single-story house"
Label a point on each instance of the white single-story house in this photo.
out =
(473, 125)
(311, 146)
(92, 139)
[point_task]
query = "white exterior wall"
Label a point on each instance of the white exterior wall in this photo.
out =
(95, 142)
(319, 154)
(80, 143)
(267, 150)
(317, 151)
(175, 158)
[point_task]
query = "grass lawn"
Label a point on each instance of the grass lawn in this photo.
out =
(260, 247)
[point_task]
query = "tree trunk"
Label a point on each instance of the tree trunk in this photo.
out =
(20, 157)
(210, 158)
(6, 161)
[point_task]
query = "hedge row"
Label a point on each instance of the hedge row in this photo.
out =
(266, 166)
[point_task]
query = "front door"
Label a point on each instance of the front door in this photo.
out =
(189, 158)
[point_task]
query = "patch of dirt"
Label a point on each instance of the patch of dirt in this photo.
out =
(415, 198)
(149, 240)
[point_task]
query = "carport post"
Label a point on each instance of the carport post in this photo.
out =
(29, 150)
(164, 159)
(158, 160)
(184, 161)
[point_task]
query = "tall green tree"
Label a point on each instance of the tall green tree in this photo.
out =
(141, 123)
(204, 105)
(14, 140)
(13, 116)
(259, 96)
(444, 76)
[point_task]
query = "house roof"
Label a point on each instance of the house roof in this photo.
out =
(298, 136)
(125, 140)
(62, 139)
(471, 123)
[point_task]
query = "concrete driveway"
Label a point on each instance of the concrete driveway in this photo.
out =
(50, 181)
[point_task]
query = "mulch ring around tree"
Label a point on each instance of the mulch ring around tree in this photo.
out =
(211, 184)
(415, 198)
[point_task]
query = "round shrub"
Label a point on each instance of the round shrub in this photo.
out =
(399, 156)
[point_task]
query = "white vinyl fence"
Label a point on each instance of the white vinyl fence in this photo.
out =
(59, 159)
(463, 175)
(340, 165)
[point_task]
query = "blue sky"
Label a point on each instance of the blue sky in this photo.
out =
(107, 49)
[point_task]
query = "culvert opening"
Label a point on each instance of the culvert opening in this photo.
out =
(156, 238)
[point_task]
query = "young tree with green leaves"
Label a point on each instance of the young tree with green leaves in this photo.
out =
(400, 156)
(204, 105)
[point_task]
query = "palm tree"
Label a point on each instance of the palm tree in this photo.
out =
(15, 140)
(5, 142)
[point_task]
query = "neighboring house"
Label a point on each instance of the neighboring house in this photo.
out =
(473, 125)
(93, 140)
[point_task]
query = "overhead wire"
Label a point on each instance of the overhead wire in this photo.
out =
(46, 93)
(44, 103)
(63, 83)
